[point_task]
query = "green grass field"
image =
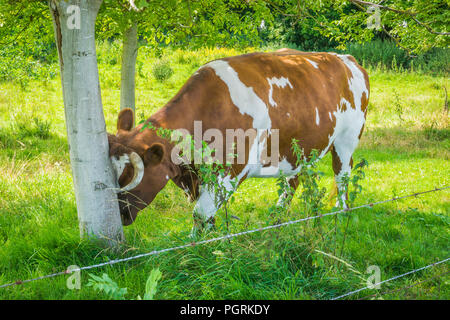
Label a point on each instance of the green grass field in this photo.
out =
(407, 145)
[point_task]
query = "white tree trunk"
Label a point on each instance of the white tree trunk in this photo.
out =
(128, 71)
(93, 176)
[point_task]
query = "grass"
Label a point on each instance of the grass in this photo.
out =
(406, 142)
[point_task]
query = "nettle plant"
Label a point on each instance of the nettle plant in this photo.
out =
(353, 188)
(213, 175)
(112, 290)
(312, 196)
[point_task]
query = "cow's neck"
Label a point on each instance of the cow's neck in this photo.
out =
(176, 115)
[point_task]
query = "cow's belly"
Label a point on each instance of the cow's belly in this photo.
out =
(258, 171)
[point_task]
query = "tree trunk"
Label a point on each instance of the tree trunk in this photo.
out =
(93, 177)
(128, 71)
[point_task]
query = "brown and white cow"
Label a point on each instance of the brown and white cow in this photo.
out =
(319, 99)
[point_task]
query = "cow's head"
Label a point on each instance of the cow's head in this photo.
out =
(140, 161)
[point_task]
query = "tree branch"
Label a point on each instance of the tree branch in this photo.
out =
(412, 15)
(397, 42)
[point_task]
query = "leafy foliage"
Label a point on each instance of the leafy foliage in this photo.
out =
(151, 284)
(351, 184)
(185, 23)
(108, 286)
(417, 25)
(312, 195)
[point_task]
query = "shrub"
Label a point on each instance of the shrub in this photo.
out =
(32, 128)
(386, 54)
(378, 51)
(305, 34)
(161, 70)
(16, 66)
(437, 60)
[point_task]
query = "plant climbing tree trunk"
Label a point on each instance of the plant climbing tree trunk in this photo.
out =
(93, 177)
(128, 71)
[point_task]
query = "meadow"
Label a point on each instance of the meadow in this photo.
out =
(406, 142)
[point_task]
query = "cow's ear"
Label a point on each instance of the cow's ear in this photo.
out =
(125, 119)
(154, 154)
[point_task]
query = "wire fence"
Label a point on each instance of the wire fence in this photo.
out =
(390, 279)
(406, 287)
(233, 235)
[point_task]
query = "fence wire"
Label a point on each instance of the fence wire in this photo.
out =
(233, 235)
(406, 287)
(390, 279)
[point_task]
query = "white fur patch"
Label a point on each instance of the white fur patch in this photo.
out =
(248, 102)
(349, 122)
(357, 82)
(205, 206)
(281, 83)
(243, 97)
(273, 172)
(317, 117)
(314, 64)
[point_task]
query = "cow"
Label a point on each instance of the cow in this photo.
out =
(318, 98)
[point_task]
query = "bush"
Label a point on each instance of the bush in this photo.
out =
(35, 127)
(161, 70)
(19, 67)
(379, 52)
(437, 60)
(386, 54)
(304, 35)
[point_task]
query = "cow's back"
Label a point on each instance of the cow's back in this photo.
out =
(310, 96)
(299, 93)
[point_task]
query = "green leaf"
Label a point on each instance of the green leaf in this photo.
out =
(152, 282)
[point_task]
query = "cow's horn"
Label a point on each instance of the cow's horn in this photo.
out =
(138, 167)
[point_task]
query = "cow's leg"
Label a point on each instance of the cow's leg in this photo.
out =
(342, 165)
(208, 203)
(204, 211)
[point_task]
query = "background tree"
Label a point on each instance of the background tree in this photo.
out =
(415, 25)
(179, 24)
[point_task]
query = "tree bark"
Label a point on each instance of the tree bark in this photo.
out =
(128, 71)
(93, 177)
